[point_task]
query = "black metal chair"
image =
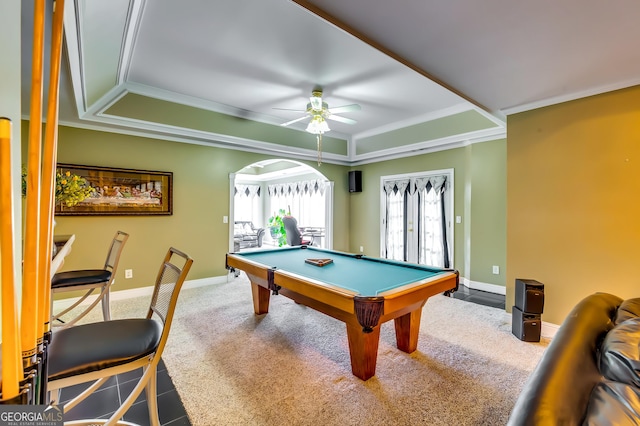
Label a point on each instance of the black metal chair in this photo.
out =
(97, 351)
(294, 236)
(89, 280)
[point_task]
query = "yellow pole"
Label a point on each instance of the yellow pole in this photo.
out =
(12, 371)
(30, 265)
(49, 171)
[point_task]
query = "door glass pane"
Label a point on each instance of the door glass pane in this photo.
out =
(395, 225)
(430, 236)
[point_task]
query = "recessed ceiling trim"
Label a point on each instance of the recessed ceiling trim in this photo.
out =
(279, 174)
(105, 102)
(72, 26)
(190, 101)
(136, 8)
(570, 97)
(96, 124)
(399, 155)
(260, 146)
(97, 113)
(456, 109)
(463, 138)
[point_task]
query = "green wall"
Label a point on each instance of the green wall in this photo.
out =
(488, 211)
(479, 240)
(201, 199)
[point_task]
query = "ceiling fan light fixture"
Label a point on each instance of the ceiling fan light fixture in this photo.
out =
(316, 100)
(318, 125)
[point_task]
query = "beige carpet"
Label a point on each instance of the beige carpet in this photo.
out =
(291, 366)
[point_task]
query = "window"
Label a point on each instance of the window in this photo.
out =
(416, 211)
(305, 200)
(247, 203)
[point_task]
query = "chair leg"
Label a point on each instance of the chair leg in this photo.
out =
(56, 317)
(82, 396)
(79, 316)
(152, 398)
(106, 305)
(149, 373)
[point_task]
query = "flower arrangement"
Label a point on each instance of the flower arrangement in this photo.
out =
(276, 225)
(70, 188)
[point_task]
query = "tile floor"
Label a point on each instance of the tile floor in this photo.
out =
(480, 297)
(106, 401)
(171, 411)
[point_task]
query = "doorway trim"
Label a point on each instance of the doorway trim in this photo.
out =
(329, 201)
(449, 173)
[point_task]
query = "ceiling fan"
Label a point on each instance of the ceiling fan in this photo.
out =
(319, 112)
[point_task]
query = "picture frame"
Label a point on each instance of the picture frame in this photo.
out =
(120, 192)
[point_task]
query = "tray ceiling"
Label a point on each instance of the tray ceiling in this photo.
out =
(221, 73)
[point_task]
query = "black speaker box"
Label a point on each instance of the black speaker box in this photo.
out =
(525, 326)
(529, 295)
(355, 181)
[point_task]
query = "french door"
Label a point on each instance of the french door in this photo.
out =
(416, 218)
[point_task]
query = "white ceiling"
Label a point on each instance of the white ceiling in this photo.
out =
(405, 62)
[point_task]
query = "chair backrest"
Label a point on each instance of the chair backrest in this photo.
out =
(294, 237)
(113, 256)
(171, 276)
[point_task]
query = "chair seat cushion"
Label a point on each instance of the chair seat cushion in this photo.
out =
(82, 277)
(96, 346)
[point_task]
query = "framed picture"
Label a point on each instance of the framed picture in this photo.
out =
(119, 191)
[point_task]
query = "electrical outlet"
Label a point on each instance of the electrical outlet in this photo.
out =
(361, 249)
(496, 269)
(128, 273)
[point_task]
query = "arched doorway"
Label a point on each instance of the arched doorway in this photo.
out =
(258, 182)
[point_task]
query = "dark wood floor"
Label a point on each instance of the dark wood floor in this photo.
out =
(171, 411)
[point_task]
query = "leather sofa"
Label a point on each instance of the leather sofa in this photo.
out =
(246, 235)
(590, 373)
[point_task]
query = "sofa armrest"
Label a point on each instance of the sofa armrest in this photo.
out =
(558, 390)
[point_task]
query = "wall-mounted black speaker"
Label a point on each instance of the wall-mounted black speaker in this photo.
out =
(355, 181)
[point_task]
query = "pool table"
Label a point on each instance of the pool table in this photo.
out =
(361, 291)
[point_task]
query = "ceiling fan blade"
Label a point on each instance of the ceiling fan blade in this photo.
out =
(290, 109)
(294, 121)
(345, 108)
(341, 119)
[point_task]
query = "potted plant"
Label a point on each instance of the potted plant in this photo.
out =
(276, 228)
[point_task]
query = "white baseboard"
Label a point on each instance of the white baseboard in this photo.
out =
(477, 285)
(548, 330)
(138, 292)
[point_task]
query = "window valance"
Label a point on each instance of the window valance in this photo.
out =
(293, 188)
(244, 190)
(395, 186)
(438, 183)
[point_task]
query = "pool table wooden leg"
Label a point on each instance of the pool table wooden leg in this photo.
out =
(261, 297)
(363, 349)
(407, 331)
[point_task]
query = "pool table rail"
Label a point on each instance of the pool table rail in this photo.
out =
(362, 315)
